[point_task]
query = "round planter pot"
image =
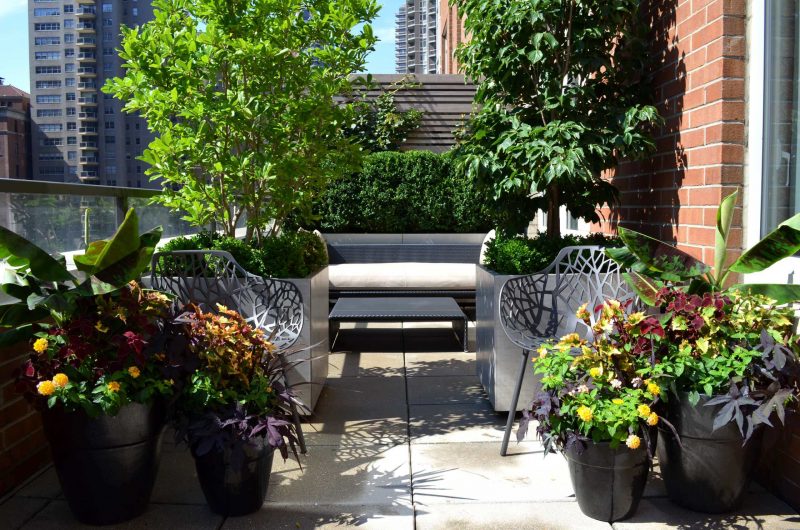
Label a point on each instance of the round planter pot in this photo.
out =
(232, 491)
(107, 465)
(608, 482)
(706, 471)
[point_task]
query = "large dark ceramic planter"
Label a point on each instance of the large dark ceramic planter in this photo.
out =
(706, 471)
(235, 491)
(107, 465)
(608, 482)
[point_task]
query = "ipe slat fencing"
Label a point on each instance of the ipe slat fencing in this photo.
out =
(445, 102)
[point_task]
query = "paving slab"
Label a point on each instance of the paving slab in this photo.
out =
(175, 517)
(365, 364)
(435, 336)
(15, 511)
(385, 340)
(441, 363)
(442, 390)
(359, 410)
(365, 475)
(759, 511)
(274, 516)
(511, 516)
(463, 422)
(475, 472)
(177, 481)
(45, 485)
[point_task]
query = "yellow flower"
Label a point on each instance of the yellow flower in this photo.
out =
(113, 386)
(617, 401)
(40, 345)
(633, 441)
(134, 372)
(585, 413)
(596, 371)
(542, 351)
(652, 419)
(653, 389)
(644, 410)
(60, 380)
(46, 388)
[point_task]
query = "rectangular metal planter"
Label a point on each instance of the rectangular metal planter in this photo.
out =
(308, 376)
(498, 359)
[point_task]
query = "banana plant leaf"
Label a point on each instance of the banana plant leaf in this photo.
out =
(103, 254)
(781, 243)
(659, 259)
(724, 221)
(782, 293)
(16, 335)
(646, 287)
(19, 252)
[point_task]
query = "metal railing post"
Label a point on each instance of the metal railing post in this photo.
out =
(121, 203)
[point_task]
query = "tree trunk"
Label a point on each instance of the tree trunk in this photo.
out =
(553, 213)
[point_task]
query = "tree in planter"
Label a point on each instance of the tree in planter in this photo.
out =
(240, 94)
(561, 89)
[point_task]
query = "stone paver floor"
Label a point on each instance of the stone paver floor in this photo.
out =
(402, 437)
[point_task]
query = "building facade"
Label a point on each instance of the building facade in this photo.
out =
(80, 134)
(15, 132)
(451, 35)
(416, 37)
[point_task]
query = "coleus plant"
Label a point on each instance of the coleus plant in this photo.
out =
(45, 287)
(654, 264)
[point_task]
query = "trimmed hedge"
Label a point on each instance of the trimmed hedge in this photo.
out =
(289, 255)
(411, 191)
(521, 255)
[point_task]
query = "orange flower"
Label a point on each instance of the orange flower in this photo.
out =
(60, 380)
(134, 372)
(40, 345)
(113, 386)
(46, 388)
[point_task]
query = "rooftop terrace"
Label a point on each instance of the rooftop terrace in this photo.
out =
(402, 437)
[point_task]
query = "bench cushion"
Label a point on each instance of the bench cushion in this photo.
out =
(408, 275)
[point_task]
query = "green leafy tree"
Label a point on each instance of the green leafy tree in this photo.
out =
(241, 96)
(561, 90)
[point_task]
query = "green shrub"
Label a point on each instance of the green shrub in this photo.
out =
(289, 255)
(411, 191)
(521, 255)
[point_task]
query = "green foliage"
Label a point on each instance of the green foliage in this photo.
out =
(522, 255)
(412, 191)
(241, 96)
(287, 255)
(654, 264)
(562, 92)
(377, 124)
(44, 286)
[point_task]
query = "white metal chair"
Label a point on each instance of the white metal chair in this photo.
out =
(539, 307)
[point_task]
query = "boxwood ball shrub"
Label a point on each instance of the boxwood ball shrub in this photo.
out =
(411, 191)
(522, 255)
(288, 255)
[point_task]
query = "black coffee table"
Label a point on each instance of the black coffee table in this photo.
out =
(393, 309)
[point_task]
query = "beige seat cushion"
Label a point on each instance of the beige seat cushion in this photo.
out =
(390, 276)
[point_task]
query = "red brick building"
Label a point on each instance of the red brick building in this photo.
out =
(15, 132)
(451, 34)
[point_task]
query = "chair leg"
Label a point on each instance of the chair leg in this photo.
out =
(512, 411)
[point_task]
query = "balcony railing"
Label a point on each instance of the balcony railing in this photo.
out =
(53, 215)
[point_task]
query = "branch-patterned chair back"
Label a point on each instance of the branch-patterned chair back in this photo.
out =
(211, 277)
(543, 305)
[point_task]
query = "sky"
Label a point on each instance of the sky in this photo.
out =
(14, 42)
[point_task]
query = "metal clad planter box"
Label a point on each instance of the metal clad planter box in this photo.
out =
(498, 359)
(308, 377)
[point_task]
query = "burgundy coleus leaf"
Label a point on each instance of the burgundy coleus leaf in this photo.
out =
(28, 369)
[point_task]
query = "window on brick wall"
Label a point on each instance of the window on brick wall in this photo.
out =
(780, 196)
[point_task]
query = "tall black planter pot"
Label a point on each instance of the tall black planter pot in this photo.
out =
(706, 471)
(107, 466)
(608, 482)
(235, 491)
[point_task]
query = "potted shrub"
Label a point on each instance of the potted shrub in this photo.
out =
(728, 354)
(507, 257)
(297, 257)
(597, 410)
(233, 411)
(96, 366)
(730, 363)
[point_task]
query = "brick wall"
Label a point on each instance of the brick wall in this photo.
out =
(699, 88)
(23, 448)
(451, 35)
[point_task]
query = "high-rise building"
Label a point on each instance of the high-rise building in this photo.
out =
(451, 35)
(416, 37)
(15, 132)
(80, 134)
